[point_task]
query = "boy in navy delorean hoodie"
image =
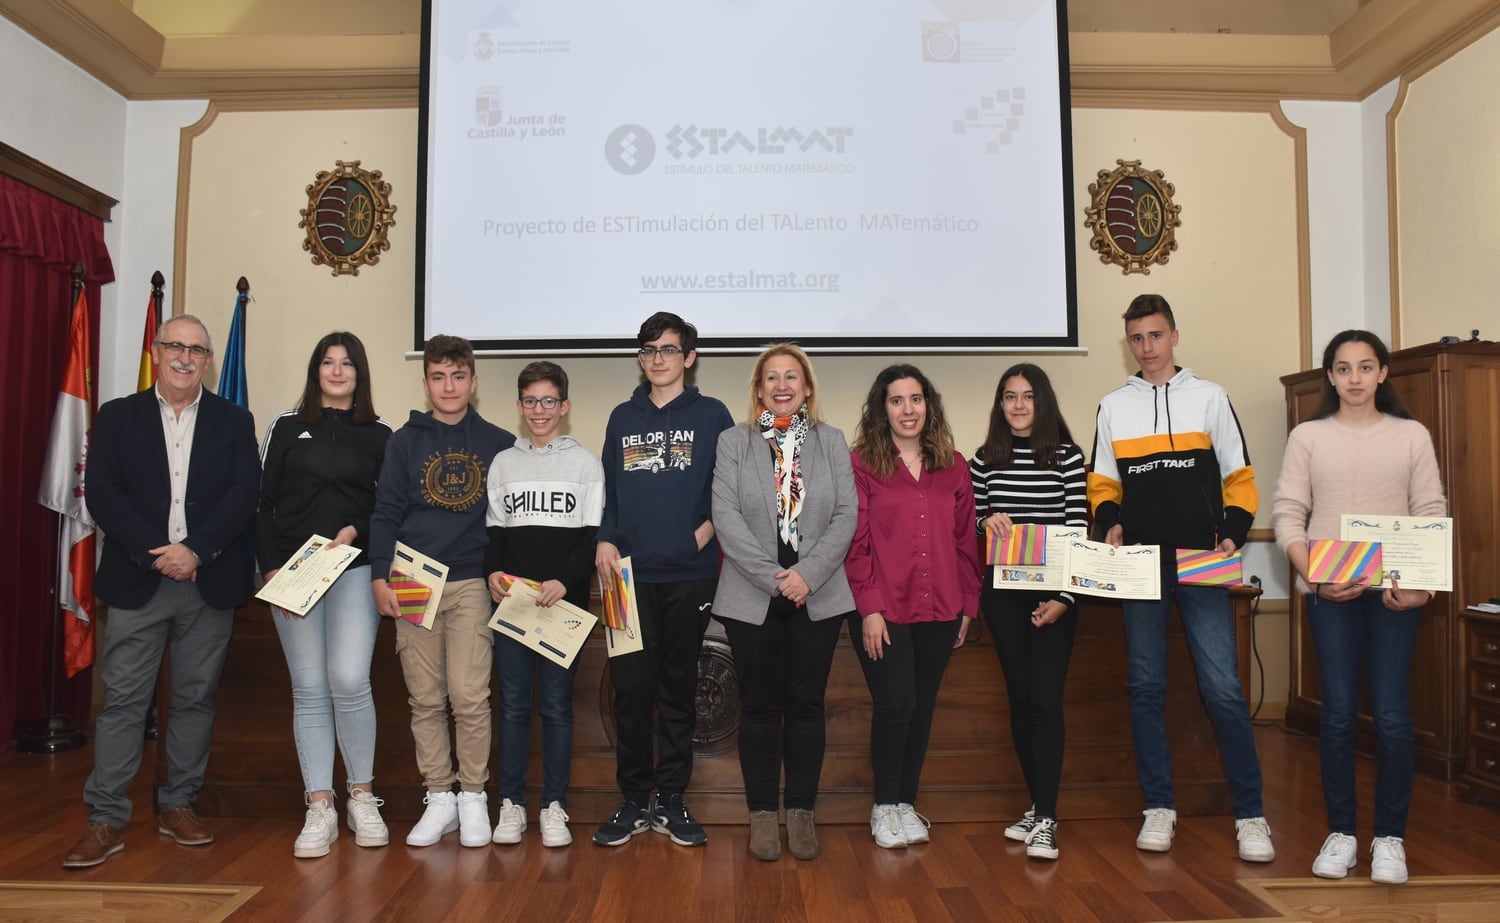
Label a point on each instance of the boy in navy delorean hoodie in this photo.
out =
(658, 483)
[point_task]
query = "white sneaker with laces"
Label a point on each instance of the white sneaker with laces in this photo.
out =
(512, 825)
(554, 823)
(885, 825)
(913, 824)
(362, 812)
(439, 820)
(1254, 835)
(319, 831)
(1337, 857)
(1157, 831)
(1388, 860)
(473, 819)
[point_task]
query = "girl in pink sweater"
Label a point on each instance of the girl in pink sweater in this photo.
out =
(1361, 454)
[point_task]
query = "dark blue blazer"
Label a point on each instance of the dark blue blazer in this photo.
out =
(128, 492)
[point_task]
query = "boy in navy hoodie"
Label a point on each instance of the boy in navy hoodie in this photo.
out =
(432, 496)
(658, 487)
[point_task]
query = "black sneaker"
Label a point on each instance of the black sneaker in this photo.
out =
(629, 819)
(1042, 844)
(672, 817)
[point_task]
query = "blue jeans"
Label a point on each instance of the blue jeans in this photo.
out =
(1208, 619)
(328, 655)
(515, 667)
(1362, 635)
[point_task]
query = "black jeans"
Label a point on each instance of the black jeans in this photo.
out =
(1035, 663)
(663, 677)
(782, 666)
(904, 686)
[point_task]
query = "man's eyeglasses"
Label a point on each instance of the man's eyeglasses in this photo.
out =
(666, 352)
(177, 349)
(546, 403)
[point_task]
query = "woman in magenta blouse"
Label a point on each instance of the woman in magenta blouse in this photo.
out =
(914, 570)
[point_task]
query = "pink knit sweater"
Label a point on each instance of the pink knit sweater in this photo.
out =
(1386, 468)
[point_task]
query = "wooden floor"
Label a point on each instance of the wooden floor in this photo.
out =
(967, 873)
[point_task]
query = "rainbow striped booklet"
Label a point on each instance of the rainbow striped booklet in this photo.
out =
(1026, 544)
(1197, 567)
(1334, 561)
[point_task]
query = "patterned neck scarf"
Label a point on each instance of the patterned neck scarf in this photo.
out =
(786, 435)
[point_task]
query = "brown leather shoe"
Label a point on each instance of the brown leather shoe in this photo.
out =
(99, 843)
(182, 825)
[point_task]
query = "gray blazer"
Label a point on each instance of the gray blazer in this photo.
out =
(744, 517)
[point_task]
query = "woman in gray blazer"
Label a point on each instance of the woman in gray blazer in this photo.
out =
(784, 512)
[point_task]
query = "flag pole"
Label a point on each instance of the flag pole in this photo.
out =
(55, 733)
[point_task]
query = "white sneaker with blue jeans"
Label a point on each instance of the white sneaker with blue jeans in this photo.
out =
(1337, 856)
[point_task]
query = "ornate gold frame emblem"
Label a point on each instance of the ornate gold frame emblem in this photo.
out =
(1133, 217)
(347, 217)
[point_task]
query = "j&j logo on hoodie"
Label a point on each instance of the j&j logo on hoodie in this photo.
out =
(453, 480)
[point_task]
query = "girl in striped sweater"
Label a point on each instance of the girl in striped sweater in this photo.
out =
(1029, 471)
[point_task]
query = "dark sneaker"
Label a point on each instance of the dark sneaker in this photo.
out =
(628, 820)
(672, 817)
(1042, 844)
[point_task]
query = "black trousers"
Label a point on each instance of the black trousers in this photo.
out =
(1035, 663)
(782, 667)
(662, 677)
(904, 686)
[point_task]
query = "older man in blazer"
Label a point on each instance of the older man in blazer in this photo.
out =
(173, 477)
(784, 510)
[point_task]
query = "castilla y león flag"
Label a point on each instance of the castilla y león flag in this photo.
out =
(63, 491)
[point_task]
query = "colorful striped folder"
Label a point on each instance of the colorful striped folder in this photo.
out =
(1196, 567)
(1026, 546)
(410, 595)
(1334, 561)
(619, 598)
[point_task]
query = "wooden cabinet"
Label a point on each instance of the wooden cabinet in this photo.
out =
(1481, 686)
(1455, 391)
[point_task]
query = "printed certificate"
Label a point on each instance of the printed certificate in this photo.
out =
(307, 575)
(1126, 572)
(557, 632)
(620, 607)
(1416, 550)
(411, 573)
(1049, 577)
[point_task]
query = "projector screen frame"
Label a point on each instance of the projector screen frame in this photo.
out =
(708, 343)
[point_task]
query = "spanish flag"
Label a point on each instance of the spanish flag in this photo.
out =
(147, 375)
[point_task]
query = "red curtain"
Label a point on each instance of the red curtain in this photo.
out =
(41, 238)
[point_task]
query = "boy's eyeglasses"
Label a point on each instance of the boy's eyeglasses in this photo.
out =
(666, 352)
(546, 403)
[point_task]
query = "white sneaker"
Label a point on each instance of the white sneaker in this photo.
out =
(512, 825)
(1337, 856)
(319, 831)
(1254, 835)
(885, 825)
(473, 819)
(439, 820)
(1388, 860)
(1157, 832)
(362, 812)
(554, 822)
(914, 824)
